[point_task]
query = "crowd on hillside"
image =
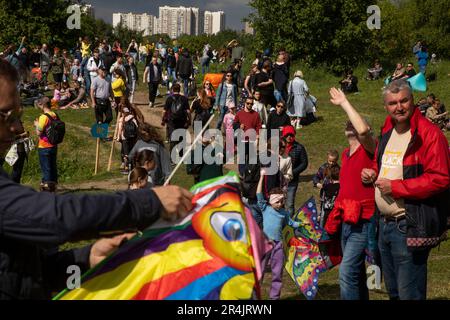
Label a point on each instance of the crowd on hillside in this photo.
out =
(379, 185)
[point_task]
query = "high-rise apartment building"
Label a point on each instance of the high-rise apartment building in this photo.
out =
(174, 21)
(214, 22)
(137, 22)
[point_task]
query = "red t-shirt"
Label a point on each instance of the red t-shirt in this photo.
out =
(250, 120)
(350, 175)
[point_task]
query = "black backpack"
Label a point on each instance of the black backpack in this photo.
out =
(55, 130)
(130, 129)
(177, 112)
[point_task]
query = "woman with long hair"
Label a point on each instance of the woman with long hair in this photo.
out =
(128, 127)
(201, 107)
(150, 139)
(249, 86)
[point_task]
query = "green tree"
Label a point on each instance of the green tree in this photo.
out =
(331, 32)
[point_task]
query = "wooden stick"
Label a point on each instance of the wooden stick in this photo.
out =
(116, 133)
(189, 150)
(97, 156)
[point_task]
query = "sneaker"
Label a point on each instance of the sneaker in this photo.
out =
(150, 105)
(299, 126)
(124, 172)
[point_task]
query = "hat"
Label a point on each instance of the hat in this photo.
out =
(288, 130)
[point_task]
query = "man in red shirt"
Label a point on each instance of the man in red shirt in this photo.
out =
(355, 204)
(249, 121)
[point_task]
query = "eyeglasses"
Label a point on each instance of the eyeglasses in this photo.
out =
(12, 115)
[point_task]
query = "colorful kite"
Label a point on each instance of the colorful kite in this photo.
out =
(307, 253)
(211, 255)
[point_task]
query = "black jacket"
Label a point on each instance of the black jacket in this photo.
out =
(280, 76)
(151, 73)
(128, 69)
(299, 161)
(108, 59)
(276, 120)
(33, 224)
(185, 66)
(171, 61)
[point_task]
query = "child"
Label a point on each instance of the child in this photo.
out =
(285, 166)
(227, 129)
(275, 217)
(332, 159)
(145, 158)
(329, 193)
(56, 96)
(137, 179)
(75, 71)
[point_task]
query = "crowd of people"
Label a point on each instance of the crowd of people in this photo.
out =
(387, 199)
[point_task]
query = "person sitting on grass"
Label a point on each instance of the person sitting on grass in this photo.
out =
(275, 218)
(375, 72)
(410, 72)
(435, 116)
(138, 179)
(145, 158)
(80, 101)
(399, 73)
(350, 83)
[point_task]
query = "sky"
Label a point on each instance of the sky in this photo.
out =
(235, 10)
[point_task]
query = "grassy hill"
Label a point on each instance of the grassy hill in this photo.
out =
(77, 155)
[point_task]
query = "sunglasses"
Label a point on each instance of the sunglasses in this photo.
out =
(248, 103)
(12, 115)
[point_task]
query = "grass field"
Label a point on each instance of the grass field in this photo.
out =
(77, 156)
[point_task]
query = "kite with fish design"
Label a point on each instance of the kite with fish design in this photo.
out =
(209, 256)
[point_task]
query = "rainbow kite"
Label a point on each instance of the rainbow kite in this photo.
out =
(209, 256)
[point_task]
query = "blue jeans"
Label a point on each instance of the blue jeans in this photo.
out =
(223, 111)
(422, 69)
(290, 200)
(279, 95)
(205, 65)
(352, 271)
(405, 273)
(171, 73)
(47, 160)
(185, 86)
(87, 81)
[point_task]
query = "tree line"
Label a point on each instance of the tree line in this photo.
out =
(334, 32)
